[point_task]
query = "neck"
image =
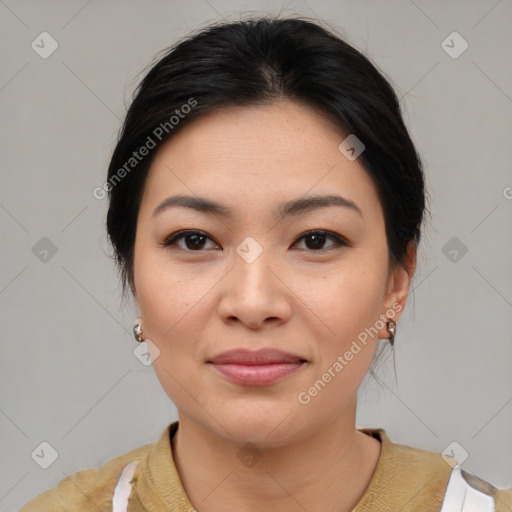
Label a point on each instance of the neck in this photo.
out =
(328, 470)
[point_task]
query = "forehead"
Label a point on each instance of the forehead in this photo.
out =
(259, 155)
(277, 130)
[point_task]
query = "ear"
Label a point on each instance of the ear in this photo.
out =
(398, 289)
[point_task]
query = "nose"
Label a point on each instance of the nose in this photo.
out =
(255, 294)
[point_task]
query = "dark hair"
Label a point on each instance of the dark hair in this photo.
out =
(259, 61)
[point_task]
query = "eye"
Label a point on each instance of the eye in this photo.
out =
(317, 239)
(194, 240)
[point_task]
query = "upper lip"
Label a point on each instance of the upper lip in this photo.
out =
(262, 356)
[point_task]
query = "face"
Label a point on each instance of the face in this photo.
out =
(311, 280)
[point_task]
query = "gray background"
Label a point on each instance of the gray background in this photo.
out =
(69, 375)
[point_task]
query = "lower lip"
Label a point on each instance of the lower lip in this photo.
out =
(257, 374)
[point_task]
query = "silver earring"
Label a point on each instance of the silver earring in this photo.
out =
(137, 332)
(392, 330)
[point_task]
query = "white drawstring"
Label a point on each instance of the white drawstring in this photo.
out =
(462, 497)
(123, 488)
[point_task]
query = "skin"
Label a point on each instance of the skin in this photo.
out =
(196, 303)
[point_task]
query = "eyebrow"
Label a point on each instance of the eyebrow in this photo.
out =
(293, 207)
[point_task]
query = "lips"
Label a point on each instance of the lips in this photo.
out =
(256, 368)
(256, 357)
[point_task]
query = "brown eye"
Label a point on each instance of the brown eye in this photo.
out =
(314, 240)
(193, 240)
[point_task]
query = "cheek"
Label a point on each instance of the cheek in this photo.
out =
(350, 308)
(166, 307)
(165, 294)
(166, 301)
(351, 299)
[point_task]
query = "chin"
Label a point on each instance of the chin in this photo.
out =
(267, 425)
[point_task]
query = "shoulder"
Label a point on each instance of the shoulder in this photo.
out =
(410, 462)
(406, 478)
(503, 500)
(88, 489)
(419, 479)
(443, 466)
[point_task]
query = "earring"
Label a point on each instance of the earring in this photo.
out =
(392, 330)
(137, 332)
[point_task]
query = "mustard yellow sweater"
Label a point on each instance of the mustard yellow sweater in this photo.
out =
(406, 479)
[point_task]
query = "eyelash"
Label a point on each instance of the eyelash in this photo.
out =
(172, 239)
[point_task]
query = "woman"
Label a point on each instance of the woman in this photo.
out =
(266, 204)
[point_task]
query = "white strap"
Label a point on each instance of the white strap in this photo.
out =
(123, 488)
(462, 497)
